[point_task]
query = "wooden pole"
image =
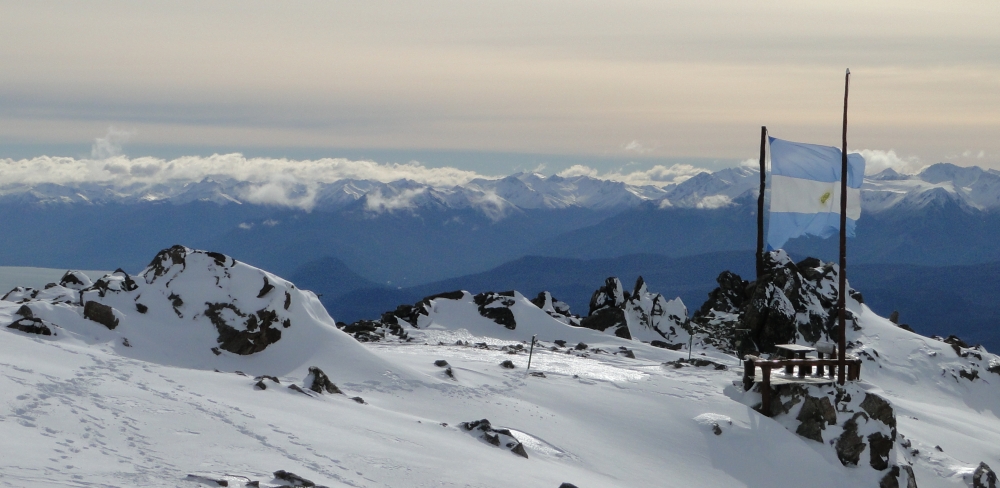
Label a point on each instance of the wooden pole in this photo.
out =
(760, 205)
(841, 296)
(531, 351)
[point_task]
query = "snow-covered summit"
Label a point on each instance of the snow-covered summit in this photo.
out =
(193, 309)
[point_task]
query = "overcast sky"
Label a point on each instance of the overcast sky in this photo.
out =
(568, 80)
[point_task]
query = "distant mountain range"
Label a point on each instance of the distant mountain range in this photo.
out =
(969, 187)
(399, 236)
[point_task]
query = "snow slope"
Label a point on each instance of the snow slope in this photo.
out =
(80, 408)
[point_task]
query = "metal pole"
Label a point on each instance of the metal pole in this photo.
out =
(531, 351)
(841, 296)
(760, 205)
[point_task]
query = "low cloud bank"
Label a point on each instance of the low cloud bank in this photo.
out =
(658, 175)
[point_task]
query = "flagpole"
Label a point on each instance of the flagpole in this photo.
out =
(760, 206)
(841, 296)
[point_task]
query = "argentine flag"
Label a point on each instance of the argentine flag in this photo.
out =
(805, 191)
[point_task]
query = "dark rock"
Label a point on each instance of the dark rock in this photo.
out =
(879, 446)
(25, 312)
(176, 302)
(165, 259)
(537, 374)
(261, 385)
(956, 344)
(891, 479)
(850, 444)
(31, 325)
(267, 377)
(560, 342)
(496, 307)
(665, 345)
(815, 415)
(994, 368)
(440, 363)
(970, 375)
(293, 478)
(449, 373)
(984, 477)
(320, 382)
(629, 354)
(359, 400)
(580, 347)
(220, 259)
(611, 320)
(264, 290)
(716, 429)
(894, 317)
(567, 485)
(216, 351)
(206, 480)
(497, 437)
(507, 364)
(75, 280)
(257, 332)
(297, 388)
(288, 300)
(697, 362)
(125, 342)
(519, 450)
(879, 409)
(788, 303)
(109, 284)
(141, 308)
(100, 313)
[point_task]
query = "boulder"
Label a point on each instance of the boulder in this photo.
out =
(293, 479)
(502, 438)
(100, 313)
(319, 382)
(984, 477)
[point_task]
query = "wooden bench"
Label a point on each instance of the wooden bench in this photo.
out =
(751, 363)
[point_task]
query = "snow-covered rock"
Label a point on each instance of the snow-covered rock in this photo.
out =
(193, 309)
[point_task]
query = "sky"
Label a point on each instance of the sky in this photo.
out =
(494, 87)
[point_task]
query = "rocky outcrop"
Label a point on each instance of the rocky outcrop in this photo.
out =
(243, 333)
(639, 314)
(319, 382)
(790, 303)
(75, 280)
(607, 312)
(29, 323)
(502, 438)
(496, 307)
(293, 479)
(859, 426)
(556, 309)
(206, 288)
(984, 477)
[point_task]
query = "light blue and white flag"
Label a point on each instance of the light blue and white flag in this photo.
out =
(805, 191)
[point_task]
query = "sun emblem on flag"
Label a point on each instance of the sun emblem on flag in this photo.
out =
(826, 196)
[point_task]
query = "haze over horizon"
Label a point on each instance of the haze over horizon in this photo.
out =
(498, 87)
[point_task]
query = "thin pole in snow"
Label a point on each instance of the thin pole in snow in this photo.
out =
(841, 298)
(531, 351)
(760, 205)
